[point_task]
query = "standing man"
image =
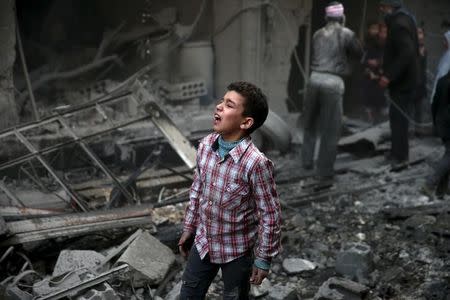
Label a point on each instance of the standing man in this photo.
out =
(333, 47)
(401, 74)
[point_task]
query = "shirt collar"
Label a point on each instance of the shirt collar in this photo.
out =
(237, 152)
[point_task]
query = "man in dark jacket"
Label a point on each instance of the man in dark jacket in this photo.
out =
(401, 73)
(440, 110)
(333, 47)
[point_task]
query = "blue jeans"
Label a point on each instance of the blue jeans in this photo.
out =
(199, 274)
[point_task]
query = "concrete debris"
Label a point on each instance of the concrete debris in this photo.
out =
(102, 291)
(148, 259)
(297, 265)
(283, 292)
(341, 289)
(355, 262)
(258, 291)
(71, 260)
(174, 293)
(54, 284)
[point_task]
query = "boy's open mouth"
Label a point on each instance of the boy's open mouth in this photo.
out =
(217, 118)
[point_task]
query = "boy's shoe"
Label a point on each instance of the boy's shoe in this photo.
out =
(427, 191)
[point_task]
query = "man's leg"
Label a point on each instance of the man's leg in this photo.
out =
(197, 276)
(310, 112)
(330, 127)
(236, 278)
(399, 127)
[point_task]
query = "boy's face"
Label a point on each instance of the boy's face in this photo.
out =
(228, 117)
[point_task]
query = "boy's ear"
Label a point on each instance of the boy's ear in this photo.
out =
(247, 123)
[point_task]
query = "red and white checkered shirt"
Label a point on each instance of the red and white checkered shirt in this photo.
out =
(233, 203)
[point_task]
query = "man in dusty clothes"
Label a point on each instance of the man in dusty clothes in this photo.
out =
(234, 212)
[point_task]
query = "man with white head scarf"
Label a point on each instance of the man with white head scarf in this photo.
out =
(333, 47)
(444, 63)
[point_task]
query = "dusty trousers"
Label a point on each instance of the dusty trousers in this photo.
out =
(322, 112)
(399, 125)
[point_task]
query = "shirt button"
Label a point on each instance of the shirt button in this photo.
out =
(214, 184)
(210, 202)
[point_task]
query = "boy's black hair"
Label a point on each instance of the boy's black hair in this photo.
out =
(255, 104)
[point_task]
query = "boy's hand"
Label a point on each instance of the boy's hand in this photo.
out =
(258, 276)
(184, 251)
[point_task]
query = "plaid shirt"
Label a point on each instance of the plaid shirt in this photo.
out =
(233, 203)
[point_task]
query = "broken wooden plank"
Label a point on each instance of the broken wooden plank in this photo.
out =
(146, 175)
(75, 230)
(78, 219)
(28, 212)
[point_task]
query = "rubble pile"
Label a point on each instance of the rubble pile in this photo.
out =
(369, 235)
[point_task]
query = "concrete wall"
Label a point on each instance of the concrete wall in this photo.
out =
(8, 112)
(257, 46)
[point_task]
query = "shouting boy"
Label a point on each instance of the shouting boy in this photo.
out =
(234, 212)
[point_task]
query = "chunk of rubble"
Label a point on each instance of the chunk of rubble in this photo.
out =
(294, 266)
(174, 293)
(258, 291)
(283, 292)
(149, 260)
(355, 262)
(53, 284)
(70, 260)
(341, 289)
(101, 291)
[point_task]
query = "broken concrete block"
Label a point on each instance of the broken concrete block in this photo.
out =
(283, 292)
(70, 260)
(149, 260)
(355, 261)
(258, 291)
(341, 289)
(297, 265)
(102, 291)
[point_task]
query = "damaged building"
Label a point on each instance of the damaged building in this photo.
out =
(103, 104)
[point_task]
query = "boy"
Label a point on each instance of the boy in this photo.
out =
(233, 201)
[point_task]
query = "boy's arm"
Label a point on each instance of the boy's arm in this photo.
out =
(265, 195)
(191, 213)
